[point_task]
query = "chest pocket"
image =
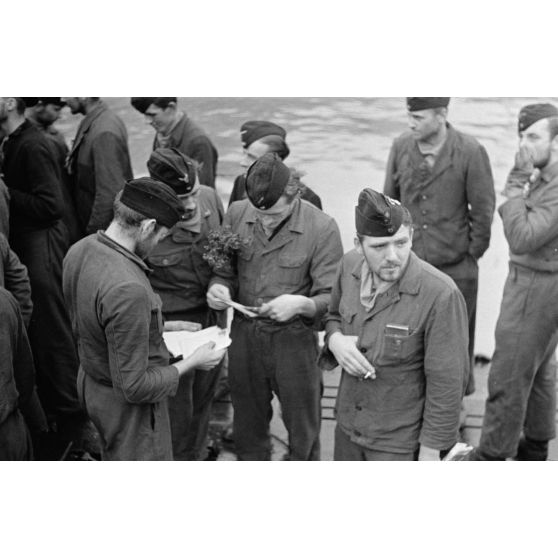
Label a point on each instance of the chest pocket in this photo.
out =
(291, 270)
(400, 350)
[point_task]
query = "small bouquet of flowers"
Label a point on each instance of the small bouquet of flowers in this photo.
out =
(222, 247)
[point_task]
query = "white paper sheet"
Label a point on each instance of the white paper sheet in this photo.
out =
(186, 342)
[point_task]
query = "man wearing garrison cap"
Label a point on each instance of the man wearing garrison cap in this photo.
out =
(519, 419)
(174, 128)
(443, 177)
(398, 328)
(285, 270)
(125, 377)
(259, 137)
(181, 278)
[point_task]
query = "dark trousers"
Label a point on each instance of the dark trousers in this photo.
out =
(469, 286)
(267, 358)
(522, 378)
(346, 450)
(190, 408)
(15, 441)
(50, 337)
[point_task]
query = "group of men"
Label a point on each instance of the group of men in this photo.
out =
(398, 310)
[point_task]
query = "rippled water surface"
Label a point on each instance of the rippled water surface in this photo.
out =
(343, 145)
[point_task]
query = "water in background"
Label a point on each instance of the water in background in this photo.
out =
(343, 145)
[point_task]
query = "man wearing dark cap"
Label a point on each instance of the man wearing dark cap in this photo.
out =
(285, 269)
(519, 419)
(175, 129)
(44, 112)
(444, 178)
(40, 239)
(98, 162)
(259, 137)
(398, 328)
(125, 377)
(181, 278)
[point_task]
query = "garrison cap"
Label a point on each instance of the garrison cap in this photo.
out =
(378, 215)
(530, 114)
(266, 180)
(171, 167)
(141, 104)
(30, 101)
(423, 103)
(254, 130)
(154, 200)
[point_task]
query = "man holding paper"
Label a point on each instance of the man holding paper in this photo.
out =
(285, 269)
(125, 377)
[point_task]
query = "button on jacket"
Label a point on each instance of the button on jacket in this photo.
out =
(125, 374)
(531, 223)
(301, 259)
(99, 165)
(452, 204)
(180, 274)
(416, 396)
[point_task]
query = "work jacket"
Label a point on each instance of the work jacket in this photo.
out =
(452, 204)
(416, 396)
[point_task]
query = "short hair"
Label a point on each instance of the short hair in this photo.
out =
(20, 105)
(141, 104)
(277, 145)
(406, 222)
(127, 218)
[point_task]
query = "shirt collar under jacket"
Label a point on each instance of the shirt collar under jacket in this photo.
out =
(106, 240)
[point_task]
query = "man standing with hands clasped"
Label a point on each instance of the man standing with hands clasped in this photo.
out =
(398, 328)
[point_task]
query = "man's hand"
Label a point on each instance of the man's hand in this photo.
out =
(180, 325)
(203, 358)
(285, 307)
(428, 454)
(344, 348)
(215, 296)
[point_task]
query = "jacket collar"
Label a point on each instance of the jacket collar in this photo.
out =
(296, 222)
(107, 241)
(550, 173)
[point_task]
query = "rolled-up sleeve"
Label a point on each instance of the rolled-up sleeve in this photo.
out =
(446, 363)
(126, 318)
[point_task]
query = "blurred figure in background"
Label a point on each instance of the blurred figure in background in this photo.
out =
(175, 129)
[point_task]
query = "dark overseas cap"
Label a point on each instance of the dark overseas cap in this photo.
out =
(266, 180)
(173, 168)
(377, 214)
(530, 114)
(254, 130)
(33, 101)
(154, 200)
(423, 103)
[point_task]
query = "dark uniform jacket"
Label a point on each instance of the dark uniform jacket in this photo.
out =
(17, 377)
(180, 274)
(14, 278)
(416, 396)
(4, 209)
(191, 140)
(452, 204)
(33, 179)
(301, 259)
(531, 222)
(99, 165)
(239, 193)
(118, 325)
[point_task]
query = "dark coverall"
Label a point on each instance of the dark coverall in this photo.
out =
(416, 396)
(181, 278)
(39, 237)
(191, 140)
(452, 205)
(20, 410)
(124, 378)
(268, 356)
(522, 378)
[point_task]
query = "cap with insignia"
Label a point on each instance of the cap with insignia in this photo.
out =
(423, 103)
(530, 114)
(254, 130)
(377, 214)
(154, 200)
(266, 180)
(173, 168)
